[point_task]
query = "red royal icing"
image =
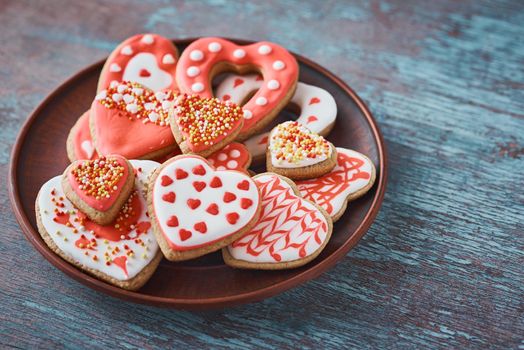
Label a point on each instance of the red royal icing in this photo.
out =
(193, 203)
(199, 170)
(243, 185)
(166, 180)
(212, 209)
(150, 58)
(173, 221)
(201, 227)
(83, 178)
(234, 156)
(121, 262)
(229, 197)
(216, 182)
(278, 67)
(185, 234)
(232, 218)
(169, 197)
(83, 145)
(181, 174)
(245, 203)
(199, 185)
(314, 100)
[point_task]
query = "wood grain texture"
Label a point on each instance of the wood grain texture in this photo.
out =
(442, 265)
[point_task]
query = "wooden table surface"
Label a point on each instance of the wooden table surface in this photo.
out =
(442, 266)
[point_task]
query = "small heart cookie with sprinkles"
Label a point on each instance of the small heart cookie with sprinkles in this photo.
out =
(290, 232)
(79, 142)
(123, 253)
(296, 152)
(100, 187)
(205, 58)
(204, 125)
(132, 120)
(196, 209)
(147, 59)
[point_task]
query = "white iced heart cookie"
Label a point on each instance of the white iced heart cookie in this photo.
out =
(290, 232)
(296, 152)
(124, 253)
(148, 59)
(196, 209)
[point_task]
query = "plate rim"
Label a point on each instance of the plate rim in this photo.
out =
(314, 271)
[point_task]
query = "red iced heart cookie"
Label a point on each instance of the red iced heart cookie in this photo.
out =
(124, 253)
(79, 142)
(208, 56)
(147, 59)
(131, 120)
(290, 232)
(296, 152)
(99, 187)
(204, 125)
(351, 178)
(211, 209)
(234, 156)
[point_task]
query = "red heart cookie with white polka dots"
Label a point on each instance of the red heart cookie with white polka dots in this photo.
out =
(196, 209)
(132, 120)
(234, 156)
(207, 57)
(204, 125)
(147, 59)
(99, 187)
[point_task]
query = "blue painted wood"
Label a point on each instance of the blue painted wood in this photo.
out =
(442, 267)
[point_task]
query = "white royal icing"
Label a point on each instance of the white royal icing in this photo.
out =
(158, 79)
(312, 101)
(64, 237)
(184, 189)
(286, 220)
(275, 147)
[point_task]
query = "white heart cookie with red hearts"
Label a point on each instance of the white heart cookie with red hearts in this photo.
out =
(351, 178)
(124, 253)
(147, 59)
(290, 232)
(132, 120)
(296, 152)
(196, 209)
(206, 57)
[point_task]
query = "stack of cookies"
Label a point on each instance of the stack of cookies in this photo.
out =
(160, 163)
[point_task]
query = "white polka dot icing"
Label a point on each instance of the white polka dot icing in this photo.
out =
(126, 50)
(148, 39)
(232, 164)
(197, 87)
(248, 114)
(114, 67)
(235, 153)
(264, 49)
(279, 65)
(214, 47)
(239, 53)
(168, 59)
(222, 156)
(196, 55)
(261, 101)
(273, 84)
(193, 71)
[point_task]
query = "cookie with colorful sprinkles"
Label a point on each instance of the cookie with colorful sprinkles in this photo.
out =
(196, 210)
(132, 120)
(123, 253)
(205, 58)
(203, 126)
(147, 59)
(296, 152)
(100, 187)
(290, 232)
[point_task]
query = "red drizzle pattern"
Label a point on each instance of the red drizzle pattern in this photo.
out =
(324, 189)
(289, 227)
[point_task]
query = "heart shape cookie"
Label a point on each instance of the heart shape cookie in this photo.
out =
(123, 253)
(132, 120)
(204, 125)
(296, 152)
(196, 209)
(147, 59)
(205, 58)
(351, 178)
(290, 232)
(318, 109)
(99, 187)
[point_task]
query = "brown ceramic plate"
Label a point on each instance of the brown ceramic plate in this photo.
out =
(40, 153)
